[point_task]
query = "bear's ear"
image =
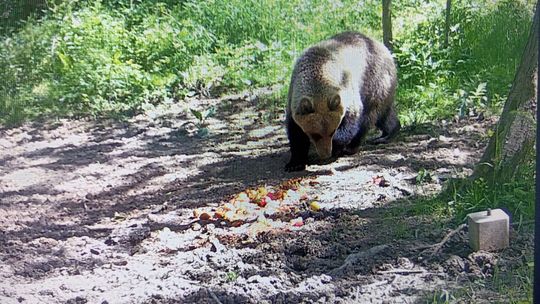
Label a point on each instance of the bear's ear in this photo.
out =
(305, 106)
(334, 103)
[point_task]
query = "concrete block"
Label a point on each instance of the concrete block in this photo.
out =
(488, 230)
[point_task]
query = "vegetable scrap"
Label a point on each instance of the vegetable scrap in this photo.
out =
(314, 205)
(380, 181)
(264, 207)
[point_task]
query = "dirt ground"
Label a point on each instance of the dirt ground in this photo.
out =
(103, 212)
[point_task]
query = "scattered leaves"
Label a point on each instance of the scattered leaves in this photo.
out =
(380, 181)
(297, 222)
(205, 216)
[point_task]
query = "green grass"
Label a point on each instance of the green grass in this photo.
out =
(516, 197)
(510, 286)
(464, 196)
(516, 285)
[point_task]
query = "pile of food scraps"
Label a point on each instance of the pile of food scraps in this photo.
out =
(264, 207)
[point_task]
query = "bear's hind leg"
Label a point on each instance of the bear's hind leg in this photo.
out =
(389, 124)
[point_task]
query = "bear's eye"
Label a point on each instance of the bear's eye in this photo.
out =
(316, 137)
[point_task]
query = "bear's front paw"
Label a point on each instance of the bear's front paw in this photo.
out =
(350, 150)
(378, 140)
(295, 166)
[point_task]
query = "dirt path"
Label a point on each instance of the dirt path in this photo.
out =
(102, 212)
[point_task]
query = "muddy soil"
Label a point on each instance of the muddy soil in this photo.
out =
(103, 212)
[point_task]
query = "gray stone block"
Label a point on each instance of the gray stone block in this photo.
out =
(488, 230)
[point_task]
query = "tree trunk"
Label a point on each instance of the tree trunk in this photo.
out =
(387, 23)
(515, 135)
(447, 22)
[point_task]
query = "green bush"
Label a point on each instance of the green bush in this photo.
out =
(471, 75)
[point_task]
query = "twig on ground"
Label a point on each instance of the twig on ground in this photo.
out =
(375, 284)
(401, 271)
(354, 257)
(438, 246)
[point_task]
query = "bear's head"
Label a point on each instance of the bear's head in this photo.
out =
(319, 118)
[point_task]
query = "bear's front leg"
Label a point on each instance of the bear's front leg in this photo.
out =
(299, 143)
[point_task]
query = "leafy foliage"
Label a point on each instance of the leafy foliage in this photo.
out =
(474, 72)
(114, 56)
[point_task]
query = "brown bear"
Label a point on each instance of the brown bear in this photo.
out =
(340, 88)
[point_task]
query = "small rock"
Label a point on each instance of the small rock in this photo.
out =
(456, 265)
(46, 292)
(325, 278)
(405, 263)
(120, 263)
(216, 245)
(205, 216)
(254, 279)
(444, 139)
(77, 300)
(129, 234)
(160, 208)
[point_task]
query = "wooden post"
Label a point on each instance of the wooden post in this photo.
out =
(447, 22)
(387, 23)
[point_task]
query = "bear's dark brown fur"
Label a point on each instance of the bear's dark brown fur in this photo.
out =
(340, 89)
